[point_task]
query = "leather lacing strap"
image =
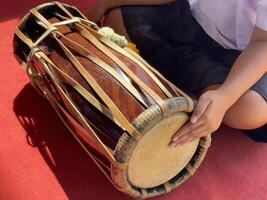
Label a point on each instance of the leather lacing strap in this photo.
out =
(86, 53)
(147, 70)
(100, 92)
(50, 29)
(129, 53)
(89, 55)
(86, 34)
(60, 109)
(117, 48)
(143, 64)
(94, 37)
(90, 37)
(29, 43)
(85, 20)
(91, 81)
(67, 100)
(80, 89)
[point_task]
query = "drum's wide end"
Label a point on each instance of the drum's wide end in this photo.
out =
(151, 166)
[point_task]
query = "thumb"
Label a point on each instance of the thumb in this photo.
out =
(200, 109)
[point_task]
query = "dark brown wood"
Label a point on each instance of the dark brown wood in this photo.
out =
(127, 103)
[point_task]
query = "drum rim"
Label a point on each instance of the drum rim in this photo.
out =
(126, 145)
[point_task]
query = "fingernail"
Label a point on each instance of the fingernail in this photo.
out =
(174, 145)
(193, 119)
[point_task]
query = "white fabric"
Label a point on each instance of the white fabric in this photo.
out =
(231, 22)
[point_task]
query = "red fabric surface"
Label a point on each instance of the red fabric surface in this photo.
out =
(40, 160)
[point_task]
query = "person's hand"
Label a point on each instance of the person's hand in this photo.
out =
(205, 119)
(98, 10)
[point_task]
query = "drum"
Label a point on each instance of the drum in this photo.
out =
(119, 108)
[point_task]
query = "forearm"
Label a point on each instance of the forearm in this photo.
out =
(247, 70)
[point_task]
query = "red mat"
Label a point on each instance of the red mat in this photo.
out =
(40, 160)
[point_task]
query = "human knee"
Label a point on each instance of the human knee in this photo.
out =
(114, 20)
(249, 112)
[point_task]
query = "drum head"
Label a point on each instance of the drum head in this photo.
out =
(153, 161)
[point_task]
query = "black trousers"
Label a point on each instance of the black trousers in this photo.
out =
(170, 39)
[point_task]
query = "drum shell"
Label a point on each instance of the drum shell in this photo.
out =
(111, 134)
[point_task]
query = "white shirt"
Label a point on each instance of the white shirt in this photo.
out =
(230, 22)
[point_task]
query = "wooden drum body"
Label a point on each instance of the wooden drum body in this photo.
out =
(121, 110)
